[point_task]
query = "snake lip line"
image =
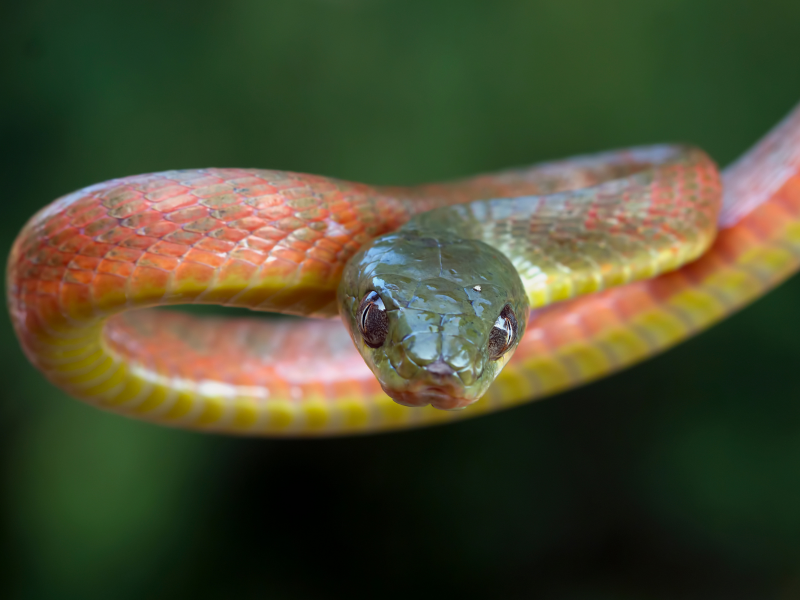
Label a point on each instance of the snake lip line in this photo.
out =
(438, 397)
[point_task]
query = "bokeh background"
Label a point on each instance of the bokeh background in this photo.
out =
(676, 479)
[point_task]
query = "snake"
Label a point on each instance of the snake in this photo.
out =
(428, 304)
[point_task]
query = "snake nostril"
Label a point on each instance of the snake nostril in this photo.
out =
(440, 367)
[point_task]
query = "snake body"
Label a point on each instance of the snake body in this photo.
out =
(621, 230)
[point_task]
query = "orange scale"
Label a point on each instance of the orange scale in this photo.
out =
(665, 287)
(58, 259)
(350, 388)
(88, 216)
(169, 249)
(328, 244)
(711, 262)
(314, 214)
(291, 188)
(248, 255)
(288, 254)
(215, 245)
(96, 249)
(211, 190)
(109, 291)
(229, 234)
(277, 268)
(55, 224)
(29, 270)
(769, 220)
(45, 288)
(81, 204)
(76, 300)
(231, 278)
(181, 237)
(297, 243)
(203, 225)
(275, 213)
(118, 195)
(338, 206)
(599, 319)
(370, 386)
(129, 208)
(355, 243)
(321, 255)
(157, 261)
(268, 233)
(302, 202)
(247, 223)
(63, 236)
(637, 298)
(123, 254)
(143, 219)
(115, 236)
(261, 196)
(277, 387)
(732, 243)
(345, 242)
(220, 201)
(75, 243)
(86, 263)
(114, 267)
(230, 173)
(175, 203)
(315, 389)
(100, 226)
(345, 216)
(236, 376)
(259, 244)
(230, 213)
(186, 177)
(534, 342)
(147, 284)
(569, 330)
(247, 181)
(203, 257)
(47, 313)
(51, 273)
(307, 234)
(186, 215)
(160, 229)
(152, 183)
(167, 192)
(316, 270)
(139, 242)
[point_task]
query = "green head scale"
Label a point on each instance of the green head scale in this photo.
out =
(435, 316)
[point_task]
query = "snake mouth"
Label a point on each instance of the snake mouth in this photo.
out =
(438, 397)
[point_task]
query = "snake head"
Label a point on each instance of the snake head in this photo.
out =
(434, 317)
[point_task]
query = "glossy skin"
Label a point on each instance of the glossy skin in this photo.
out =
(443, 295)
(446, 275)
(279, 241)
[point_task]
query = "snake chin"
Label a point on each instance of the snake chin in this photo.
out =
(440, 398)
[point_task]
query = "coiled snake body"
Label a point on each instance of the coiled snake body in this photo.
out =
(475, 295)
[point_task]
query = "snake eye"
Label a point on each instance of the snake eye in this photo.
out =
(373, 323)
(503, 333)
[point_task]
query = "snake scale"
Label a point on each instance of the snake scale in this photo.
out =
(467, 296)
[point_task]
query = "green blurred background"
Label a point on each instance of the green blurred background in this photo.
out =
(676, 479)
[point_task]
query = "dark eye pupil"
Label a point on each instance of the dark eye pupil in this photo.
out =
(503, 334)
(373, 323)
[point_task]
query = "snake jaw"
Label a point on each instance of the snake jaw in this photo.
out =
(436, 342)
(440, 398)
